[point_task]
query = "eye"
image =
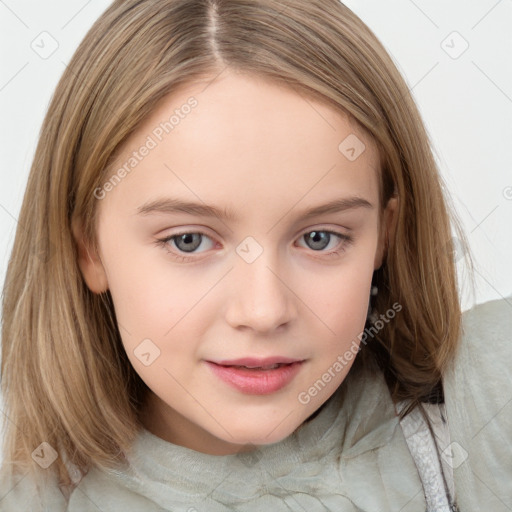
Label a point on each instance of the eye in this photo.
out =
(319, 240)
(186, 242)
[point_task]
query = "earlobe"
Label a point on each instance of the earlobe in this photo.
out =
(89, 262)
(387, 231)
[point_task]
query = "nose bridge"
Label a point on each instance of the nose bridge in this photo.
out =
(260, 299)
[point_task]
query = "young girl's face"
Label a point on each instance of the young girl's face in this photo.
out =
(259, 279)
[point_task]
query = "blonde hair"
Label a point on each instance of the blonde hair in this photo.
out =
(66, 378)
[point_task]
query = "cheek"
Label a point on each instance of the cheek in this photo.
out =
(144, 284)
(157, 316)
(340, 298)
(157, 301)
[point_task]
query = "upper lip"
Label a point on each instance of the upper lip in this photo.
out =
(257, 362)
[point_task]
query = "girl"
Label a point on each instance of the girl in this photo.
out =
(307, 351)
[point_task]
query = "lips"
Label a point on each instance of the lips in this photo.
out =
(267, 363)
(257, 380)
(271, 367)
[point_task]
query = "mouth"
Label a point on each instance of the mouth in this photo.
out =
(257, 380)
(264, 368)
(265, 363)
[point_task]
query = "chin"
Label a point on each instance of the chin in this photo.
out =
(262, 436)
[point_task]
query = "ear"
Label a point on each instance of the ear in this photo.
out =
(387, 230)
(89, 261)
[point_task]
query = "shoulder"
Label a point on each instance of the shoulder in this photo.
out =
(481, 372)
(485, 349)
(489, 326)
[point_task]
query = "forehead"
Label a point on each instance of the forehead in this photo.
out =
(244, 134)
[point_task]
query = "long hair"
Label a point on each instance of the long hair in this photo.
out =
(66, 379)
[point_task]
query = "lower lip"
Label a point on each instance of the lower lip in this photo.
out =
(257, 382)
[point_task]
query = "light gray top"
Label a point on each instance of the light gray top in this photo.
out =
(353, 456)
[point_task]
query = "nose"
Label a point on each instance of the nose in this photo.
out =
(260, 298)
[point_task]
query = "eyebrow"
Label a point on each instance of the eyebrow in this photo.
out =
(170, 205)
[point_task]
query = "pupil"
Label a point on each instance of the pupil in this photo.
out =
(316, 237)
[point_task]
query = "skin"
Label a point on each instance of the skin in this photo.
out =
(266, 153)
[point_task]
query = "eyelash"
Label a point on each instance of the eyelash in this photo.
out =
(346, 240)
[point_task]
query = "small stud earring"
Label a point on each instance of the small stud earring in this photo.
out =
(372, 315)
